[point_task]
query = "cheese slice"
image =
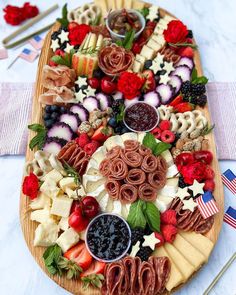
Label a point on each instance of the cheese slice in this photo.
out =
(168, 157)
(103, 202)
(98, 191)
(41, 216)
(54, 175)
(113, 141)
(202, 243)
(189, 252)
(92, 41)
(137, 67)
(61, 206)
(119, 4)
(129, 136)
(99, 42)
(158, 39)
(93, 185)
(63, 223)
(67, 182)
(90, 178)
(141, 137)
(170, 188)
(40, 202)
(100, 154)
(186, 268)
(172, 171)
(140, 58)
(68, 239)
(138, 5)
(124, 211)
(163, 202)
(128, 4)
(147, 52)
(117, 207)
(175, 278)
(46, 234)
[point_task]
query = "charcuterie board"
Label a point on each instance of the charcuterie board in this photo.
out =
(28, 226)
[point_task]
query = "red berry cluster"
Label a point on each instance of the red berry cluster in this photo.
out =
(88, 145)
(163, 132)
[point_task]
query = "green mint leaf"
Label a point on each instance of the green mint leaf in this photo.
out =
(144, 11)
(63, 20)
(60, 60)
(120, 115)
(161, 147)
(194, 74)
(64, 11)
(136, 217)
(52, 256)
(36, 127)
(39, 139)
(129, 39)
(200, 80)
(152, 216)
(119, 42)
(149, 141)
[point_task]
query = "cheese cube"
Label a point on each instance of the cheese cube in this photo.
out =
(46, 234)
(41, 216)
(67, 239)
(140, 58)
(67, 182)
(54, 175)
(154, 45)
(147, 52)
(50, 188)
(63, 223)
(159, 39)
(81, 191)
(61, 206)
(82, 235)
(71, 194)
(137, 67)
(40, 202)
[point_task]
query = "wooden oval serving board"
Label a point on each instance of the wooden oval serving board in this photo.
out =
(28, 226)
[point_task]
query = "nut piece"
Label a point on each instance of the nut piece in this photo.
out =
(84, 127)
(188, 146)
(179, 144)
(184, 135)
(195, 133)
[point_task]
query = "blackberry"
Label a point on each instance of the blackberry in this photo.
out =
(136, 235)
(202, 100)
(198, 89)
(63, 45)
(116, 105)
(147, 64)
(186, 87)
(194, 99)
(190, 34)
(55, 35)
(181, 183)
(148, 231)
(187, 97)
(144, 253)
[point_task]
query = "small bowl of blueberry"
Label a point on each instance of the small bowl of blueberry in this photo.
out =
(108, 237)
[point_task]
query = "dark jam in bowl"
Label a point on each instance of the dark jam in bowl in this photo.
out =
(108, 237)
(141, 117)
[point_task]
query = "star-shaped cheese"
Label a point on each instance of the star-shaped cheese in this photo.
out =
(182, 193)
(164, 79)
(189, 204)
(68, 48)
(150, 241)
(55, 45)
(153, 13)
(168, 66)
(63, 36)
(79, 96)
(81, 81)
(197, 188)
(90, 91)
(135, 249)
(156, 64)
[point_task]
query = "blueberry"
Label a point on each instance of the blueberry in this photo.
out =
(48, 109)
(63, 110)
(112, 122)
(55, 108)
(147, 64)
(49, 123)
(118, 129)
(47, 116)
(54, 115)
(98, 73)
(124, 130)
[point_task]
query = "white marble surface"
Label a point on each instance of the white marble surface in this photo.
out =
(213, 24)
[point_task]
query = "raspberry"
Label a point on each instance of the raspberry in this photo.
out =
(167, 136)
(161, 238)
(209, 185)
(156, 132)
(83, 140)
(91, 147)
(169, 217)
(169, 232)
(165, 125)
(209, 173)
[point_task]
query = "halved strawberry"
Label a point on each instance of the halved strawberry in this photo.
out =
(150, 83)
(183, 107)
(102, 133)
(176, 101)
(80, 255)
(186, 51)
(97, 267)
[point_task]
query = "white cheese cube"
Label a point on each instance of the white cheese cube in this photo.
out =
(63, 223)
(71, 194)
(41, 216)
(54, 175)
(140, 58)
(67, 239)
(137, 67)
(46, 234)
(61, 206)
(172, 171)
(82, 235)
(154, 45)
(147, 52)
(67, 182)
(40, 202)
(50, 188)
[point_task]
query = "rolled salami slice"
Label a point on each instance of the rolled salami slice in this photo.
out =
(136, 176)
(147, 193)
(128, 193)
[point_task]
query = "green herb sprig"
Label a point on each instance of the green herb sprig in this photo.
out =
(65, 60)
(120, 115)
(64, 20)
(39, 139)
(144, 11)
(94, 279)
(127, 43)
(71, 172)
(207, 129)
(184, 44)
(156, 147)
(198, 80)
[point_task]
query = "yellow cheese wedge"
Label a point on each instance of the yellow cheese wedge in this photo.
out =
(138, 5)
(119, 4)
(183, 265)
(176, 278)
(137, 67)
(202, 243)
(128, 4)
(189, 252)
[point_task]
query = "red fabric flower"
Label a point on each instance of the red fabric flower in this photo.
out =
(176, 32)
(77, 33)
(30, 186)
(15, 15)
(194, 171)
(130, 84)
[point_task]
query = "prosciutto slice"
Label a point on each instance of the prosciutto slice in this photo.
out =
(57, 95)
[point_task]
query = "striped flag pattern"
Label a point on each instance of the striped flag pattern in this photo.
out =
(230, 216)
(207, 205)
(3, 53)
(28, 55)
(36, 42)
(229, 180)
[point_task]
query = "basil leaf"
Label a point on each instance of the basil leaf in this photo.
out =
(63, 20)
(59, 60)
(129, 39)
(64, 11)
(194, 74)
(152, 215)
(144, 11)
(161, 147)
(36, 127)
(119, 43)
(136, 217)
(149, 141)
(200, 80)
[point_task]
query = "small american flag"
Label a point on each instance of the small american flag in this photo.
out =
(28, 55)
(3, 53)
(230, 216)
(207, 205)
(229, 180)
(36, 42)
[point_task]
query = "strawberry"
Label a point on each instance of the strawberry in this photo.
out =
(169, 232)
(186, 51)
(156, 132)
(136, 48)
(80, 255)
(91, 147)
(83, 139)
(52, 63)
(176, 101)
(169, 217)
(97, 267)
(102, 133)
(183, 107)
(209, 185)
(167, 136)
(59, 52)
(150, 83)
(165, 125)
(161, 238)
(72, 25)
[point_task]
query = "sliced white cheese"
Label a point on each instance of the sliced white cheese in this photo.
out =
(92, 41)
(90, 178)
(50, 188)
(71, 193)
(100, 154)
(172, 171)
(138, 5)
(163, 202)
(41, 216)
(168, 190)
(93, 185)
(147, 52)
(54, 175)
(103, 202)
(46, 234)
(68, 239)
(129, 136)
(63, 223)
(67, 182)
(124, 211)
(92, 164)
(97, 192)
(117, 207)
(56, 164)
(158, 39)
(141, 137)
(99, 42)
(40, 202)
(61, 206)
(113, 141)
